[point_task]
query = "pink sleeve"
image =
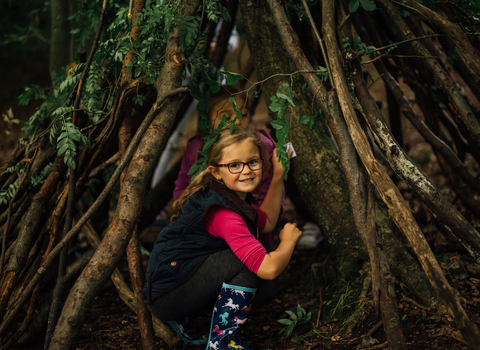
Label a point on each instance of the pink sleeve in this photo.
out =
(189, 156)
(228, 225)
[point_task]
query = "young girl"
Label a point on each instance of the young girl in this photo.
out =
(210, 256)
(218, 106)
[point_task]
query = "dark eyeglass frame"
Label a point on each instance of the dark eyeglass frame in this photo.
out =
(243, 165)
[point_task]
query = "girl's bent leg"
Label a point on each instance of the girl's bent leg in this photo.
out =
(201, 290)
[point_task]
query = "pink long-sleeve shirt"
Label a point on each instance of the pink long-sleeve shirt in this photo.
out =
(228, 225)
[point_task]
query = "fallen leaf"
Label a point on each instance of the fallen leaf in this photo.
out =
(442, 309)
(336, 337)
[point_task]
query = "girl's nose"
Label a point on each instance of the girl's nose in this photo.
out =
(246, 169)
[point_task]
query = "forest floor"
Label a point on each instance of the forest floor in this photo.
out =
(112, 325)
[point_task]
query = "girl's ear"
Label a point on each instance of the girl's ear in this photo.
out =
(214, 171)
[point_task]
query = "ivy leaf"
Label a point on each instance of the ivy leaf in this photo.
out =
(285, 97)
(214, 88)
(275, 106)
(277, 124)
(233, 78)
(353, 5)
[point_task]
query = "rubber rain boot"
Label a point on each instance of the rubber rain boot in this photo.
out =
(230, 312)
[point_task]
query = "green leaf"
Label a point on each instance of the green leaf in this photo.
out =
(75, 136)
(291, 314)
(353, 5)
(232, 78)
(209, 142)
(214, 88)
(368, 5)
(277, 124)
(275, 107)
(285, 321)
(289, 330)
(300, 311)
(305, 119)
(193, 169)
(62, 149)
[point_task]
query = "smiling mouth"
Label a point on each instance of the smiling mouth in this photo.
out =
(247, 180)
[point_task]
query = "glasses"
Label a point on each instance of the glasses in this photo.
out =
(237, 167)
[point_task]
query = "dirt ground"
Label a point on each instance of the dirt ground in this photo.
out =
(112, 325)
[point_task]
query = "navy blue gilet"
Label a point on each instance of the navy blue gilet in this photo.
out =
(182, 246)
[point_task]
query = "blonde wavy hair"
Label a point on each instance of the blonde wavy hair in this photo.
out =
(214, 156)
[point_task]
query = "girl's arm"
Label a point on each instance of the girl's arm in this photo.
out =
(275, 262)
(273, 199)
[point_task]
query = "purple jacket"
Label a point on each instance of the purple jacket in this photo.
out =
(189, 158)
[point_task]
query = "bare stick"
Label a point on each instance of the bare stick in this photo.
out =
(373, 330)
(319, 39)
(413, 302)
(112, 160)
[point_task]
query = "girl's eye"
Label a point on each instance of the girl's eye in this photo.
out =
(253, 162)
(234, 165)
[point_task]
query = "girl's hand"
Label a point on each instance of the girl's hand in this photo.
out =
(290, 232)
(278, 169)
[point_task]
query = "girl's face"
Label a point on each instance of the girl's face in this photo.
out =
(245, 181)
(225, 107)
